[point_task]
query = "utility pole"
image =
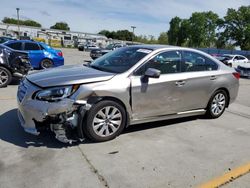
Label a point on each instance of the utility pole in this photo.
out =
(18, 24)
(133, 27)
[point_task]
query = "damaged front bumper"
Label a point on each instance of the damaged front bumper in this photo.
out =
(62, 117)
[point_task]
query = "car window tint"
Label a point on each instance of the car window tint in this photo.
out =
(166, 62)
(41, 47)
(193, 62)
(31, 46)
(240, 58)
(15, 46)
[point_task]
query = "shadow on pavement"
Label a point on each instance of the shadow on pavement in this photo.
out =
(152, 125)
(15, 81)
(12, 132)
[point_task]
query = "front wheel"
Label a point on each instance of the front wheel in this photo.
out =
(217, 104)
(46, 63)
(5, 77)
(104, 121)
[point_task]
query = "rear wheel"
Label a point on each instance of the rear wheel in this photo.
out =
(217, 104)
(105, 120)
(5, 77)
(46, 63)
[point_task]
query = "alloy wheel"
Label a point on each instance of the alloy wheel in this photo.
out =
(218, 104)
(45, 64)
(3, 77)
(107, 121)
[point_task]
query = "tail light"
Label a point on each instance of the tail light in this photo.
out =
(236, 75)
(60, 54)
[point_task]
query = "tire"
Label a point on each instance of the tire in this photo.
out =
(98, 127)
(46, 63)
(217, 104)
(5, 77)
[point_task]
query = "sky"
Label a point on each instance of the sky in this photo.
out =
(151, 17)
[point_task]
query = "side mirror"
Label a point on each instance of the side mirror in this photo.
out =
(152, 73)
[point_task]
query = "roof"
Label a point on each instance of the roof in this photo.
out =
(153, 46)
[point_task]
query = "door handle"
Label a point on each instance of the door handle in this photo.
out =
(213, 77)
(180, 83)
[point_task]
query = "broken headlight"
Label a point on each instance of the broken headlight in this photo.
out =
(56, 94)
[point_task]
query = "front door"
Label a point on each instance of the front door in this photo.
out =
(158, 96)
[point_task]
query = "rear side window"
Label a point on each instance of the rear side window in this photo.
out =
(15, 45)
(31, 46)
(194, 62)
(240, 58)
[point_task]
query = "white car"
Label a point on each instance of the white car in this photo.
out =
(236, 60)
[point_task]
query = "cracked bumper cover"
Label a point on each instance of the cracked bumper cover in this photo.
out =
(32, 110)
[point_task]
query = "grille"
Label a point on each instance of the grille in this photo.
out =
(21, 91)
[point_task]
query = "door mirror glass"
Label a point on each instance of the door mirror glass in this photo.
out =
(152, 73)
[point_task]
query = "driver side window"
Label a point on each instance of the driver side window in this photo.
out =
(167, 62)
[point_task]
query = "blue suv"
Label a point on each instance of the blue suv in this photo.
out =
(41, 55)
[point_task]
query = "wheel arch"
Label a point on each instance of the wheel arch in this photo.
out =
(45, 58)
(7, 67)
(225, 90)
(95, 99)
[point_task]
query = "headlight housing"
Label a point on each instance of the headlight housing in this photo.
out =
(56, 93)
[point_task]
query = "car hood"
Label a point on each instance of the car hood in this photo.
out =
(68, 75)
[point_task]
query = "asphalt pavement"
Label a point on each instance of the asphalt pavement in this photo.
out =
(187, 152)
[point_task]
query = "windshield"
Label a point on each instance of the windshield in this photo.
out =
(120, 60)
(110, 47)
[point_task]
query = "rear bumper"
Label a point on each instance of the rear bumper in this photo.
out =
(58, 62)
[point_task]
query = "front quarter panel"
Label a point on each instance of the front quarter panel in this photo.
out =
(117, 88)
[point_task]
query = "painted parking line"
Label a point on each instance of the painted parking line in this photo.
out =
(227, 177)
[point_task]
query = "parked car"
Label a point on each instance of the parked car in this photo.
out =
(235, 60)
(12, 64)
(41, 55)
(130, 85)
(244, 70)
(223, 59)
(87, 47)
(5, 39)
(81, 46)
(94, 54)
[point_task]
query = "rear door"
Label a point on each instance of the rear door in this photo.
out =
(201, 75)
(36, 54)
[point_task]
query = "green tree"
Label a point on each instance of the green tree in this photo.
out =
(173, 32)
(237, 27)
(33, 23)
(184, 33)
(119, 35)
(124, 35)
(163, 38)
(61, 26)
(203, 29)
(106, 33)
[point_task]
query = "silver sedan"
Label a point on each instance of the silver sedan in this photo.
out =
(130, 85)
